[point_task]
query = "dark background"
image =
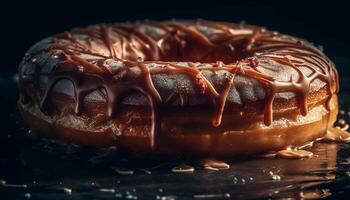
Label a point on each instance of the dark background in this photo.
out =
(23, 23)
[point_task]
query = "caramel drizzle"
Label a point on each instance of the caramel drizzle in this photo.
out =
(132, 41)
(85, 83)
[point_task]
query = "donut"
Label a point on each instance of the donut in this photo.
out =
(194, 88)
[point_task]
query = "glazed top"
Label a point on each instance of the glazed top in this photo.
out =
(177, 63)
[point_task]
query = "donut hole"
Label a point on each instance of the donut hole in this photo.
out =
(194, 51)
(174, 47)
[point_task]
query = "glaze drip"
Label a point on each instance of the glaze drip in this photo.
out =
(290, 153)
(336, 135)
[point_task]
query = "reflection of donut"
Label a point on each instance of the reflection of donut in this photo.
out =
(200, 88)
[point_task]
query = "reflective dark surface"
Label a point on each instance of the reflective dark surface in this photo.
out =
(37, 168)
(31, 168)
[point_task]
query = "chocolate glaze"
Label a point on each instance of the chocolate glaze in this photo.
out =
(290, 153)
(183, 168)
(119, 59)
(336, 135)
(212, 164)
